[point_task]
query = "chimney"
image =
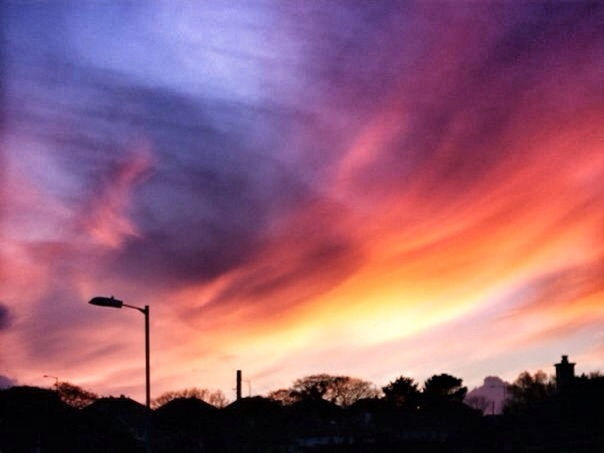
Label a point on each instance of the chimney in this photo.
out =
(565, 373)
(238, 384)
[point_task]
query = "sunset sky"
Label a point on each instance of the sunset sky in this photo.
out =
(360, 188)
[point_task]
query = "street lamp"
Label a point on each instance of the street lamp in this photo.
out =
(115, 303)
(52, 377)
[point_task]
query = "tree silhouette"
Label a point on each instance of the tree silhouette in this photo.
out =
(340, 390)
(74, 395)
(527, 390)
(348, 390)
(282, 396)
(214, 397)
(402, 392)
(480, 402)
(442, 389)
(314, 387)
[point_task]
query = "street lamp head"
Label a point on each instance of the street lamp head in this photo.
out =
(116, 303)
(106, 302)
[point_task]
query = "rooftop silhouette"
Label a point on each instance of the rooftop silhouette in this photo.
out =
(319, 415)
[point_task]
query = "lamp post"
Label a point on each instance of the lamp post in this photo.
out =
(52, 377)
(115, 303)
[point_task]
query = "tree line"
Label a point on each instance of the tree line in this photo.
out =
(320, 412)
(403, 392)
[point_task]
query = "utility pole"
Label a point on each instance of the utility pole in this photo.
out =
(249, 386)
(238, 384)
(145, 311)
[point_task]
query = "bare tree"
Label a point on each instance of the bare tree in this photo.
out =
(74, 396)
(348, 390)
(283, 396)
(341, 390)
(214, 397)
(479, 402)
(528, 389)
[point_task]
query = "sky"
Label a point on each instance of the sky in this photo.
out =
(372, 189)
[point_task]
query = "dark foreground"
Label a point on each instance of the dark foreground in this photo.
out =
(34, 419)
